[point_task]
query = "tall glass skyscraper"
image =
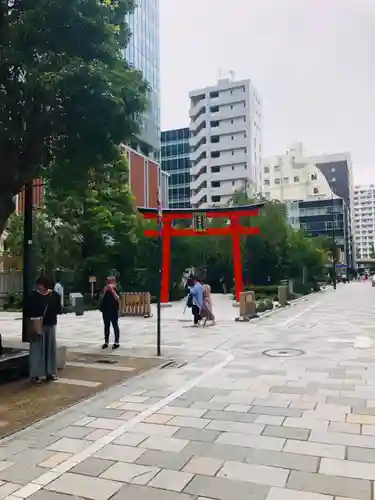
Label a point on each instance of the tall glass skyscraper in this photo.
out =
(143, 52)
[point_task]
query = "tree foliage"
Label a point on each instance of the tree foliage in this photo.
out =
(67, 99)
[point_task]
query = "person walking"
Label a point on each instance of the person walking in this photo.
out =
(109, 308)
(197, 300)
(42, 308)
(59, 289)
(208, 304)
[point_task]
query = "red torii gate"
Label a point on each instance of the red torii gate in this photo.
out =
(233, 229)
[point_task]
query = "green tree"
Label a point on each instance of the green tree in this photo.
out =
(67, 98)
(56, 244)
(101, 211)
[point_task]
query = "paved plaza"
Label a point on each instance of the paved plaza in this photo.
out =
(227, 421)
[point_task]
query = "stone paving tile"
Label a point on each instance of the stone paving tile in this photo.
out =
(20, 473)
(231, 416)
(286, 432)
(74, 431)
(330, 485)
(306, 423)
(119, 453)
(361, 454)
(345, 428)
(69, 445)
(253, 473)
(238, 427)
(203, 465)
(283, 460)
(272, 402)
(238, 408)
(269, 420)
(32, 456)
(344, 439)
(199, 423)
(50, 495)
(164, 444)
(260, 442)
(155, 429)
(130, 439)
(194, 434)
(347, 468)
(92, 488)
(368, 430)
(224, 489)
(209, 405)
(182, 412)
(92, 467)
(171, 480)
(165, 459)
(219, 451)
(8, 488)
(132, 492)
(283, 494)
(130, 473)
(97, 434)
(315, 449)
(55, 459)
(282, 412)
(105, 423)
(158, 418)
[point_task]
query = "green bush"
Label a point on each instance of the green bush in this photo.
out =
(269, 305)
(264, 290)
(261, 307)
(14, 301)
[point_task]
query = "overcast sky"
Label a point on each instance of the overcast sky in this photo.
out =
(312, 62)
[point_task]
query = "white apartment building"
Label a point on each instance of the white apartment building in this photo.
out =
(294, 176)
(225, 142)
(364, 220)
(297, 177)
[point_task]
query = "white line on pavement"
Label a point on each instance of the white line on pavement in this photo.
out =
(301, 313)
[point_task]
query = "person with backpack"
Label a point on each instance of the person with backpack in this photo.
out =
(195, 300)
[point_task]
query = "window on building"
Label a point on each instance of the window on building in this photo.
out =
(231, 122)
(314, 177)
(266, 170)
(214, 94)
(296, 178)
(232, 167)
(232, 137)
(277, 180)
(333, 170)
(231, 107)
(214, 124)
(276, 168)
(286, 180)
(215, 170)
(215, 139)
(216, 199)
(214, 109)
(333, 179)
(266, 182)
(316, 191)
(232, 183)
(215, 154)
(215, 184)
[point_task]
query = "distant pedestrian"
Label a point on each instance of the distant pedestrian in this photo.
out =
(42, 307)
(208, 313)
(59, 289)
(196, 299)
(109, 307)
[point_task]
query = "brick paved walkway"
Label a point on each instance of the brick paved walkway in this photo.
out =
(231, 423)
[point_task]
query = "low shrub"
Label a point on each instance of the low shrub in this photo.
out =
(261, 307)
(269, 305)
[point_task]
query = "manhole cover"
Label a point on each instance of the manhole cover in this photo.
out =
(283, 353)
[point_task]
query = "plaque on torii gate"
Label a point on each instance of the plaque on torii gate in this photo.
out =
(234, 229)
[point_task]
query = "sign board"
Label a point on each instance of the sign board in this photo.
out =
(341, 266)
(73, 297)
(199, 221)
(92, 279)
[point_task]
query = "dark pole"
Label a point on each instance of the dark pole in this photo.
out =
(158, 310)
(27, 252)
(333, 247)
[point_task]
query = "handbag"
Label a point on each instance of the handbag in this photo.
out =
(189, 302)
(35, 326)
